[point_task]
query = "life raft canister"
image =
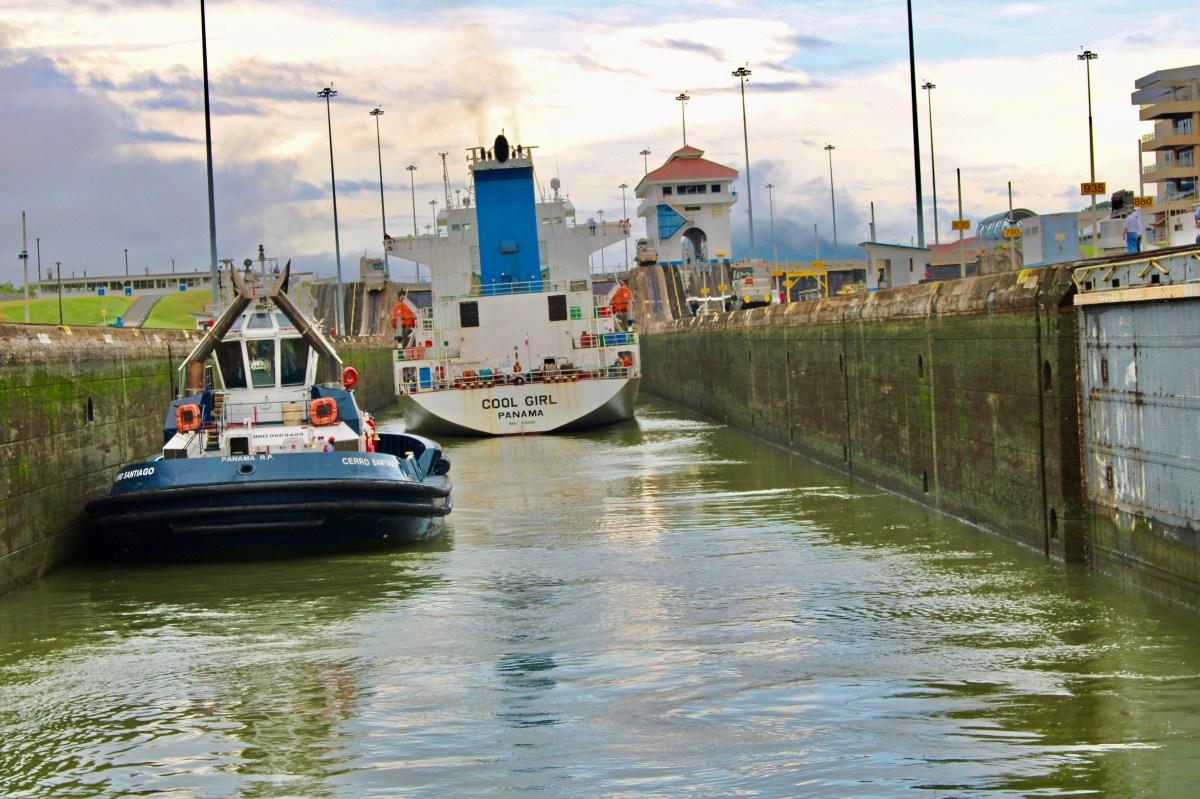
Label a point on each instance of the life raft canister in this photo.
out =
(349, 377)
(323, 411)
(187, 417)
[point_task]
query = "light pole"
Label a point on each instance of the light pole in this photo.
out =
(771, 202)
(912, 80)
(741, 73)
(126, 262)
(212, 207)
(60, 315)
(377, 113)
(600, 215)
(328, 92)
(625, 216)
(645, 163)
(929, 87)
(1087, 57)
(829, 148)
(433, 211)
(683, 97)
(413, 188)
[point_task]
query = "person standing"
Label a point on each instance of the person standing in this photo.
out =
(1133, 232)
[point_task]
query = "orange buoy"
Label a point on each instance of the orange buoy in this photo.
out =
(349, 376)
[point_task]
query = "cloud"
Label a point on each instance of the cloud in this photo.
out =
(1021, 10)
(689, 46)
(805, 42)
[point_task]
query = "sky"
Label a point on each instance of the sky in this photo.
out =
(104, 140)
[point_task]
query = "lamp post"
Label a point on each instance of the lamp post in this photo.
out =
(625, 216)
(212, 208)
(771, 202)
(433, 211)
(60, 316)
(645, 163)
(600, 216)
(1087, 57)
(377, 113)
(126, 262)
(829, 148)
(328, 92)
(683, 97)
(412, 187)
(929, 87)
(912, 80)
(741, 73)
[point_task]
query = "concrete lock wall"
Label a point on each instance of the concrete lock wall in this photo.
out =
(961, 394)
(76, 404)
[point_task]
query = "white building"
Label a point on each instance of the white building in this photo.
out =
(146, 285)
(686, 203)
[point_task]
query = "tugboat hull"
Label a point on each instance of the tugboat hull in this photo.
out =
(266, 506)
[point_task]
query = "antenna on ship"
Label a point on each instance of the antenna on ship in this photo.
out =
(446, 180)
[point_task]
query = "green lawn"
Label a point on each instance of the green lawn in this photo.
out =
(173, 310)
(78, 311)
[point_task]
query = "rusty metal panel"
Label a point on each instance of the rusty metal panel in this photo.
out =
(1140, 398)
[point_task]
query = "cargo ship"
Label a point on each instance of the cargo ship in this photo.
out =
(515, 341)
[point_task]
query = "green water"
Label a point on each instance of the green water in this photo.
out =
(663, 609)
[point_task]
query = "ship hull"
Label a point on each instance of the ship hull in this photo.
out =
(526, 409)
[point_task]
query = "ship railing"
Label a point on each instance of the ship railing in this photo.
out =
(483, 380)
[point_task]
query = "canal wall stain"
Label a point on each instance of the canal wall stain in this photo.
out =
(76, 403)
(960, 394)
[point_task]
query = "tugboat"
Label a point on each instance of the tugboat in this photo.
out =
(515, 342)
(269, 455)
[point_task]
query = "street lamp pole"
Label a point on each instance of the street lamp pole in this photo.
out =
(912, 80)
(126, 262)
(829, 148)
(433, 211)
(683, 97)
(645, 163)
(625, 216)
(741, 73)
(1087, 57)
(328, 92)
(603, 266)
(413, 188)
(929, 87)
(60, 315)
(771, 201)
(212, 207)
(377, 113)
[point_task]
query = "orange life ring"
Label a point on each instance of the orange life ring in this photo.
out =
(349, 377)
(187, 417)
(323, 411)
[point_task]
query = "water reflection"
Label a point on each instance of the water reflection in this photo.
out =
(661, 609)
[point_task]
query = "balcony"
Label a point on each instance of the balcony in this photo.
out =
(1169, 109)
(1152, 142)
(1170, 170)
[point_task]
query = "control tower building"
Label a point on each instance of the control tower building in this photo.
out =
(686, 204)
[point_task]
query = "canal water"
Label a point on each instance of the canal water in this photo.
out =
(663, 609)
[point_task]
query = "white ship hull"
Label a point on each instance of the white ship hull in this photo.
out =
(521, 410)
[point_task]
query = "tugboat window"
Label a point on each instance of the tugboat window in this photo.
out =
(229, 360)
(260, 321)
(261, 355)
(293, 358)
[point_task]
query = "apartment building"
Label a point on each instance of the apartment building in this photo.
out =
(1170, 99)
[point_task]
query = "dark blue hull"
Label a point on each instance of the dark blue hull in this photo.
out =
(254, 507)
